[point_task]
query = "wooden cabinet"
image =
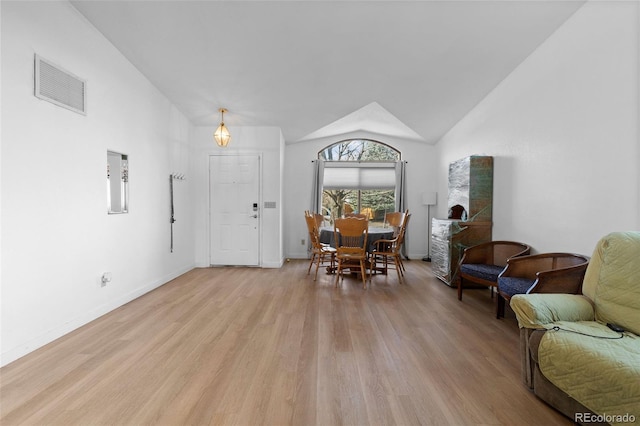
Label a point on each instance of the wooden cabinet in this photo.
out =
(449, 238)
(470, 206)
(471, 187)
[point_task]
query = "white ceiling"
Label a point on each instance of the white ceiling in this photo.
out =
(302, 65)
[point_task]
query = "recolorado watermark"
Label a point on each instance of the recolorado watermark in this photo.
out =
(604, 418)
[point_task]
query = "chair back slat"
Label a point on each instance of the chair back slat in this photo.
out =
(403, 228)
(356, 215)
(319, 219)
(399, 239)
(350, 236)
(351, 233)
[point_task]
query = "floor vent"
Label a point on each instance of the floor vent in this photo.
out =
(60, 87)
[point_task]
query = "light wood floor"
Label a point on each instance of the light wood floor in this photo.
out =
(248, 346)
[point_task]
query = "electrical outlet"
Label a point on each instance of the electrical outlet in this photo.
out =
(302, 242)
(106, 278)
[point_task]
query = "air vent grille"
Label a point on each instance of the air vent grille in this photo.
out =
(60, 87)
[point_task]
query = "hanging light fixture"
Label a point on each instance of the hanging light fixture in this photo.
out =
(222, 135)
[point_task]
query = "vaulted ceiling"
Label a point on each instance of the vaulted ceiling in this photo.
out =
(406, 68)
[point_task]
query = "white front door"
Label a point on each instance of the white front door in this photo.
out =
(234, 182)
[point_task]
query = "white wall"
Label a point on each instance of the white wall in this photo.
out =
(57, 238)
(421, 177)
(563, 129)
(269, 144)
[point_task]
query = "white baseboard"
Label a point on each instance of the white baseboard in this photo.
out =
(77, 322)
(299, 255)
(274, 265)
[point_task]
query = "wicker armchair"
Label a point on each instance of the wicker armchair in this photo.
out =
(541, 273)
(482, 263)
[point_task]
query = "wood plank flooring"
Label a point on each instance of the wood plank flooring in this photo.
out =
(248, 346)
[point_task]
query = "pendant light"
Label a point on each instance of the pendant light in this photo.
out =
(222, 135)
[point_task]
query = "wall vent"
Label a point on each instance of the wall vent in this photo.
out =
(60, 87)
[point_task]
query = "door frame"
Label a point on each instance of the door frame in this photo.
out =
(260, 209)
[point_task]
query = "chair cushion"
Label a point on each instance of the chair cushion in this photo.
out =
(482, 271)
(612, 280)
(514, 285)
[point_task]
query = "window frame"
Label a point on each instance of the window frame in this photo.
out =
(362, 167)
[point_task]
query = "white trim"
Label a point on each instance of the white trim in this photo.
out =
(84, 319)
(360, 164)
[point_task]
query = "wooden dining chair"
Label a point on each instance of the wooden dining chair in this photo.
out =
(317, 216)
(388, 251)
(351, 246)
(320, 253)
(394, 220)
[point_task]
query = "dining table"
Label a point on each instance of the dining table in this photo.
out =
(327, 236)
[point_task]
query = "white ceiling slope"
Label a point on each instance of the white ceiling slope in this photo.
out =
(302, 65)
(371, 119)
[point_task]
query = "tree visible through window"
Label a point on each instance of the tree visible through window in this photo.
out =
(361, 194)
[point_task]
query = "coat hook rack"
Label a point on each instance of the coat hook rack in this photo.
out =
(172, 177)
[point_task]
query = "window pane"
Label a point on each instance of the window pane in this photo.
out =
(359, 150)
(374, 203)
(337, 202)
(359, 177)
(377, 203)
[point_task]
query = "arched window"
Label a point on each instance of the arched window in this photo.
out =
(359, 175)
(359, 150)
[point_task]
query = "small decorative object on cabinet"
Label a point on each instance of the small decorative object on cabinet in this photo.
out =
(470, 205)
